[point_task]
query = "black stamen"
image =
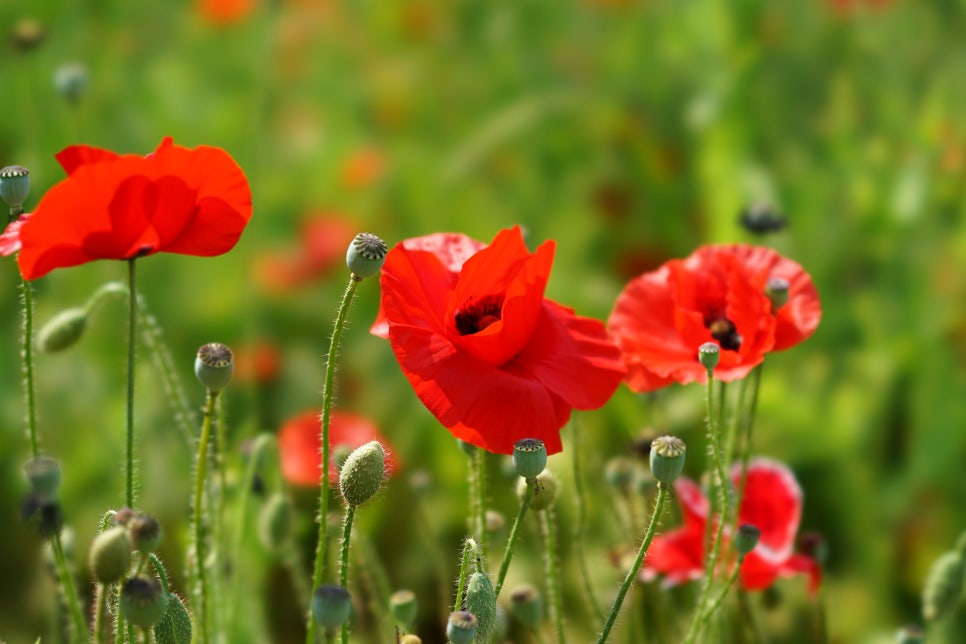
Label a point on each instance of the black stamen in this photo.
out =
(476, 315)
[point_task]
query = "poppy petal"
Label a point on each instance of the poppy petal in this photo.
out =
(75, 156)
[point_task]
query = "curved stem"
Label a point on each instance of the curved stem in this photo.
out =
(716, 603)
(662, 494)
(99, 613)
(73, 602)
(468, 545)
(132, 321)
(28, 367)
(201, 601)
(327, 394)
(350, 512)
(514, 531)
(552, 570)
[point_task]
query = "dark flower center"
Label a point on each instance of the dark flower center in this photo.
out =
(723, 330)
(476, 315)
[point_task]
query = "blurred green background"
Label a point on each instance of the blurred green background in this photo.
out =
(631, 133)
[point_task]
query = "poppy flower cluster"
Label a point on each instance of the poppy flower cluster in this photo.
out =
(719, 294)
(111, 206)
(772, 502)
(300, 445)
(484, 350)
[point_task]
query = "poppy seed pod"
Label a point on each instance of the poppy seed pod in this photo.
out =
(619, 472)
(708, 355)
(776, 288)
(27, 34)
(943, 587)
(175, 625)
(63, 330)
(461, 627)
(403, 605)
(143, 601)
(110, 555)
(481, 601)
(145, 532)
(331, 606)
(366, 255)
(43, 474)
(527, 605)
(363, 473)
(747, 538)
(214, 366)
(409, 638)
(14, 186)
(667, 458)
(544, 492)
(529, 457)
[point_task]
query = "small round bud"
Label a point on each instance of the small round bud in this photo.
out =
(667, 458)
(761, 218)
(363, 472)
(527, 605)
(276, 522)
(495, 525)
(175, 624)
(529, 457)
(481, 601)
(27, 34)
(544, 493)
(409, 638)
(123, 516)
(214, 366)
(776, 289)
(461, 627)
(110, 555)
(911, 634)
(70, 80)
(366, 255)
(331, 606)
(708, 355)
(43, 474)
(943, 587)
(45, 514)
(143, 601)
(403, 605)
(747, 538)
(62, 331)
(619, 472)
(145, 532)
(14, 186)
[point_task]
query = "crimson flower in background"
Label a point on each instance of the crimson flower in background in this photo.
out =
(715, 295)
(772, 502)
(322, 243)
(10, 239)
(487, 354)
(300, 445)
(225, 12)
(112, 206)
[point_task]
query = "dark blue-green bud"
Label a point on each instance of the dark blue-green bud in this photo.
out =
(143, 601)
(403, 605)
(366, 255)
(214, 366)
(70, 79)
(708, 355)
(15, 186)
(667, 458)
(43, 474)
(146, 533)
(776, 289)
(747, 538)
(529, 457)
(461, 627)
(331, 606)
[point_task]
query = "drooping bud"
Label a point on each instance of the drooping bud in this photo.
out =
(275, 523)
(403, 605)
(214, 366)
(145, 532)
(619, 473)
(776, 289)
(529, 457)
(363, 473)
(174, 627)
(943, 587)
(14, 187)
(143, 601)
(527, 605)
(366, 255)
(45, 514)
(667, 458)
(761, 218)
(70, 80)
(544, 493)
(43, 474)
(708, 355)
(461, 627)
(62, 331)
(747, 538)
(331, 606)
(110, 555)
(481, 601)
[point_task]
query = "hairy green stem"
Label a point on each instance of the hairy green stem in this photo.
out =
(662, 494)
(716, 602)
(552, 569)
(479, 462)
(468, 545)
(514, 532)
(70, 591)
(132, 328)
(28, 367)
(99, 613)
(201, 601)
(350, 512)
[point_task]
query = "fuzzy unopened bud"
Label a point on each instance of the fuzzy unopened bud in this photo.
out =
(366, 255)
(110, 555)
(174, 627)
(403, 605)
(62, 331)
(363, 473)
(667, 458)
(143, 601)
(145, 532)
(461, 627)
(529, 457)
(331, 606)
(481, 601)
(527, 605)
(43, 474)
(213, 366)
(944, 586)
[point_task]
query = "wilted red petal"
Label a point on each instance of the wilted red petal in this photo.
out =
(10, 239)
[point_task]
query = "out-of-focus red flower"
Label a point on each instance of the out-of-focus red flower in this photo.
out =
(10, 239)
(224, 12)
(300, 446)
(322, 245)
(715, 295)
(259, 362)
(845, 8)
(772, 502)
(111, 206)
(362, 168)
(487, 354)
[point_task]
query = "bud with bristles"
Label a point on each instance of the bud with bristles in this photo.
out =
(667, 458)
(145, 532)
(110, 555)
(529, 457)
(214, 366)
(527, 605)
(461, 627)
(174, 627)
(331, 606)
(403, 607)
(366, 255)
(143, 601)
(43, 474)
(363, 473)
(481, 601)
(944, 586)
(63, 330)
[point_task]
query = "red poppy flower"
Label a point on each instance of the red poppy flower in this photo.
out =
(715, 295)
(487, 354)
(10, 239)
(322, 243)
(112, 206)
(259, 362)
(300, 445)
(224, 12)
(772, 502)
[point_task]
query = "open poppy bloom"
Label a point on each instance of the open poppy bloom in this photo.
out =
(772, 502)
(322, 243)
(300, 445)
(718, 294)
(10, 239)
(487, 354)
(112, 206)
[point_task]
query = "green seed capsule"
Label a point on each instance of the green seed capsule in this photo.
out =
(14, 185)
(529, 457)
(403, 607)
(461, 627)
(331, 606)
(366, 255)
(43, 474)
(667, 458)
(143, 601)
(214, 366)
(527, 605)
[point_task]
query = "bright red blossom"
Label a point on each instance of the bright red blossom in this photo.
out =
(112, 206)
(300, 445)
(772, 502)
(715, 295)
(487, 354)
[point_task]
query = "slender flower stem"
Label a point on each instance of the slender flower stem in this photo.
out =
(579, 532)
(99, 613)
(468, 545)
(28, 367)
(716, 603)
(70, 591)
(327, 394)
(514, 532)
(552, 568)
(350, 512)
(662, 494)
(749, 426)
(132, 321)
(201, 601)
(479, 462)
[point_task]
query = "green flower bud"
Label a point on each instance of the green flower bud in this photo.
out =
(619, 472)
(44, 514)
(27, 34)
(331, 606)
(214, 366)
(944, 586)
(667, 458)
(62, 331)
(363, 472)
(708, 355)
(276, 523)
(409, 638)
(776, 289)
(143, 601)
(481, 601)
(145, 532)
(70, 80)
(527, 605)
(529, 457)
(110, 555)
(366, 255)
(340, 453)
(747, 538)
(911, 634)
(403, 607)
(43, 474)
(545, 492)
(174, 627)
(123, 516)
(495, 525)
(461, 627)
(14, 186)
